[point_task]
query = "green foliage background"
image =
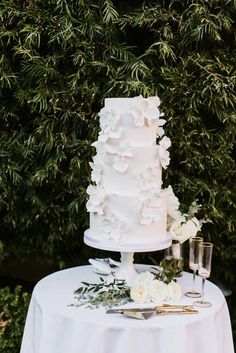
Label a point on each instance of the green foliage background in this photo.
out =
(13, 307)
(59, 59)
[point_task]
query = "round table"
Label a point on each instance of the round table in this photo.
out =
(54, 326)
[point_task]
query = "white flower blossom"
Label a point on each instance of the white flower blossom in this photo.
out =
(96, 199)
(120, 155)
(96, 173)
(109, 119)
(146, 288)
(109, 123)
(113, 227)
(164, 155)
(122, 150)
(146, 110)
(181, 231)
(160, 131)
(140, 293)
(158, 290)
(149, 178)
(172, 203)
(100, 148)
(120, 164)
(151, 210)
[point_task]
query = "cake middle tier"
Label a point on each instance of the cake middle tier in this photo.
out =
(129, 219)
(128, 175)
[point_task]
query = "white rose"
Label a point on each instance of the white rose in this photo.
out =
(174, 291)
(176, 231)
(158, 290)
(140, 292)
(190, 228)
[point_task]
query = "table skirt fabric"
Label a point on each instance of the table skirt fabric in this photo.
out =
(54, 326)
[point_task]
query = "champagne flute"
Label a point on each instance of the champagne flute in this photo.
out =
(193, 263)
(204, 270)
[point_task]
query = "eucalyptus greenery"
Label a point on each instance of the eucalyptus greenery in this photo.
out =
(106, 293)
(59, 59)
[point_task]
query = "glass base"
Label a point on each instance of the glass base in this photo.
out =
(202, 304)
(193, 294)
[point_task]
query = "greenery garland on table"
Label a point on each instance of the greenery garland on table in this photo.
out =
(114, 292)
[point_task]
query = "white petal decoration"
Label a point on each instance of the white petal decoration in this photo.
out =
(150, 178)
(164, 155)
(151, 115)
(146, 111)
(96, 199)
(172, 203)
(103, 137)
(111, 148)
(160, 131)
(151, 210)
(109, 123)
(114, 228)
(96, 174)
(161, 122)
(124, 150)
(100, 148)
(139, 118)
(115, 134)
(165, 142)
(145, 221)
(121, 165)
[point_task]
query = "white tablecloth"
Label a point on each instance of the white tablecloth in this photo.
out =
(52, 326)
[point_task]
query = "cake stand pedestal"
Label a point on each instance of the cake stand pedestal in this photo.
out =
(127, 270)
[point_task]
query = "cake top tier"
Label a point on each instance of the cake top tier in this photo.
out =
(136, 119)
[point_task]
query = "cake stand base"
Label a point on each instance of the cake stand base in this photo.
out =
(126, 270)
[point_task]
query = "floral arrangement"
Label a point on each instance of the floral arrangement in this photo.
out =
(147, 287)
(182, 226)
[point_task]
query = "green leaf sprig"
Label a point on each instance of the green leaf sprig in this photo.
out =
(106, 294)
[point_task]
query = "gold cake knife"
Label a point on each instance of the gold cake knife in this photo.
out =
(145, 313)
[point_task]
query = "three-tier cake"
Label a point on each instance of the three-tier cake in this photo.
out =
(128, 206)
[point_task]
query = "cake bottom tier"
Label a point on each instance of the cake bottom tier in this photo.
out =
(120, 228)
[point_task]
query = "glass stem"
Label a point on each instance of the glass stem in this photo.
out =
(203, 286)
(194, 277)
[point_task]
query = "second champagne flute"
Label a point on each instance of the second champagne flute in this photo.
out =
(193, 263)
(204, 270)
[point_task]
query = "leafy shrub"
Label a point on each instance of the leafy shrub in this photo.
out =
(13, 309)
(60, 59)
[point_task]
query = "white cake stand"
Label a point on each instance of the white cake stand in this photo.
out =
(127, 270)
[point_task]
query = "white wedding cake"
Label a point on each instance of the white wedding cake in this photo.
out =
(128, 206)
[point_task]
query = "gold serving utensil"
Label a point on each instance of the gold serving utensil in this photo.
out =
(184, 311)
(145, 313)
